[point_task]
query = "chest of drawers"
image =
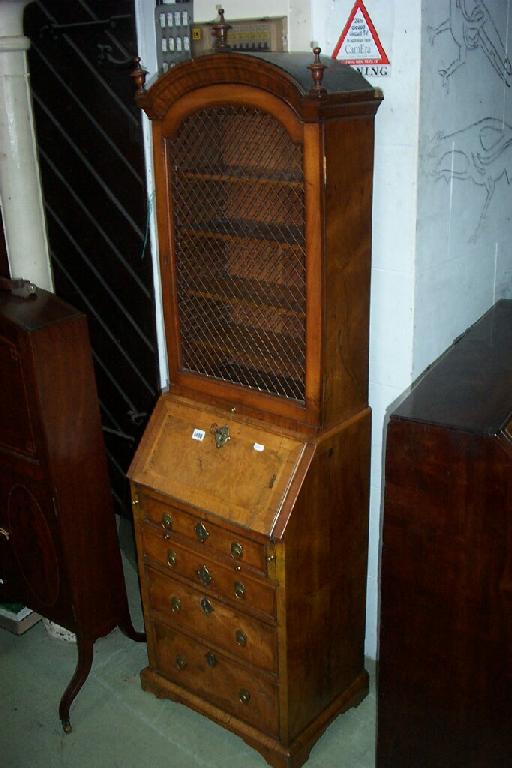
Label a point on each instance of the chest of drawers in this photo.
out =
(252, 594)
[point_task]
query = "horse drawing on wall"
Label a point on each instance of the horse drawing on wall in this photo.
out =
(472, 29)
(481, 153)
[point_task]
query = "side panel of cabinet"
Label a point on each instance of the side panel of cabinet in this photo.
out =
(325, 581)
(445, 688)
(78, 473)
(348, 208)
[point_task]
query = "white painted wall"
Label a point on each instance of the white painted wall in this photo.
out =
(398, 24)
(297, 11)
(463, 261)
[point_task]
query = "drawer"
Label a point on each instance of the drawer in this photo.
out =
(250, 640)
(244, 693)
(210, 575)
(213, 538)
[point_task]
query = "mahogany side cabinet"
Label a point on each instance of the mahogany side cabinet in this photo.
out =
(250, 485)
(59, 552)
(445, 669)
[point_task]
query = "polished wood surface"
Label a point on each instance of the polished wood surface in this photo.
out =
(253, 555)
(4, 261)
(239, 482)
(445, 673)
(198, 611)
(60, 555)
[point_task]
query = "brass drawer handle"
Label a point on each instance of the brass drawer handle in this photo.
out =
(204, 575)
(207, 606)
(241, 638)
(211, 659)
(237, 550)
(181, 662)
(172, 558)
(202, 532)
(245, 696)
(5, 533)
(240, 590)
(175, 604)
(167, 524)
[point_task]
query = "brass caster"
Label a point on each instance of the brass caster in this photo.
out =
(66, 726)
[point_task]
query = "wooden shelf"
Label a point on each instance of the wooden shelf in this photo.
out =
(235, 341)
(236, 174)
(241, 239)
(237, 291)
(247, 230)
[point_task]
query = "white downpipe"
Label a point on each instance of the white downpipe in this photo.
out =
(20, 185)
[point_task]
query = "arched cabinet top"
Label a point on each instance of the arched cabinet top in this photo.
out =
(284, 75)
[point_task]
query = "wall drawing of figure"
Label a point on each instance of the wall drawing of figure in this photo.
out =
(472, 28)
(481, 153)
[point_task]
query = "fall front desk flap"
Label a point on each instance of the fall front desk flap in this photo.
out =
(233, 467)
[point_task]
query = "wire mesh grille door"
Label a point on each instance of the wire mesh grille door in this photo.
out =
(238, 197)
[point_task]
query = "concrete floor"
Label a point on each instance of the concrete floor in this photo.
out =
(116, 724)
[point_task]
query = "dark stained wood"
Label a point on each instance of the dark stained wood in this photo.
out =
(61, 557)
(291, 486)
(445, 678)
(4, 262)
(456, 391)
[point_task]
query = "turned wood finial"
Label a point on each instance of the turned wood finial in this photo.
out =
(220, 33)
(317, 73)
(139, 77)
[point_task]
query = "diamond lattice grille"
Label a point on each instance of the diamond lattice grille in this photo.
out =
(238, 196)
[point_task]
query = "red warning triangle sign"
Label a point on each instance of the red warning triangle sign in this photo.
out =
(359, 42)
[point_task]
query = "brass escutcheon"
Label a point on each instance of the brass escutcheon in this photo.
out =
(202, 532)
(245, 696)
(239, 590)
(221, 435)
(175, 604)
(211, 659)
(207, 606)
(204, 575)
(237, 550)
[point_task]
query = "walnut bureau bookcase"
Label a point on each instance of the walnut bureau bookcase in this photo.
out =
(250, 485)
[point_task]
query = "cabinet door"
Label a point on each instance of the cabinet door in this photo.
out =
(236, 228)
(238, 197)
(30, 554)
